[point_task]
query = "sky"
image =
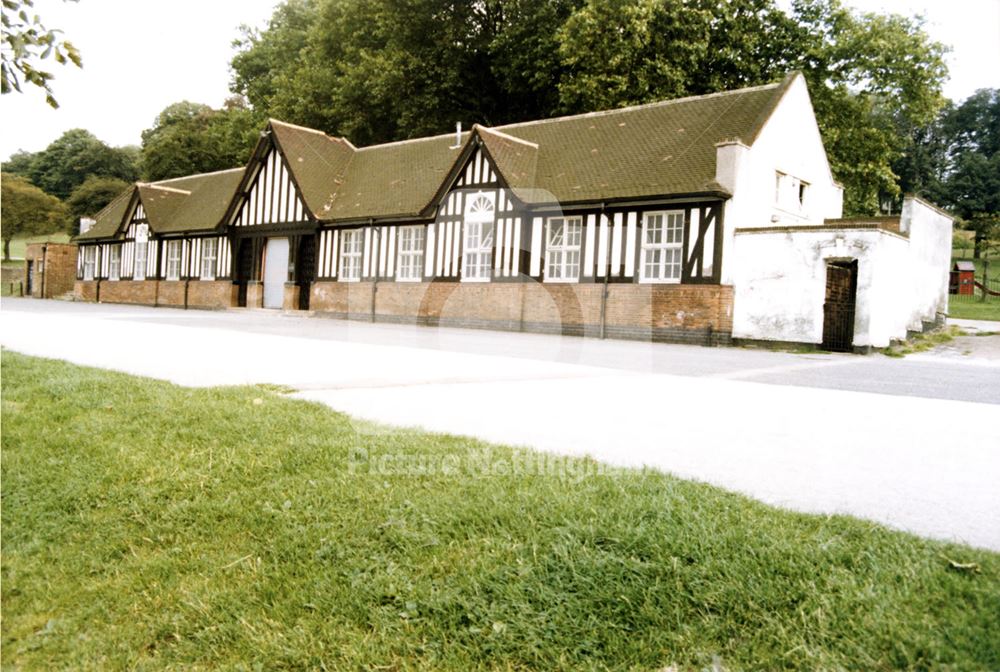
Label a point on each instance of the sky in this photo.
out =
(141, 55)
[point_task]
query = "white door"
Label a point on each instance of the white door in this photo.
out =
(275, 271)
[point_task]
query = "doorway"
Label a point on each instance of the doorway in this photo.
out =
(839, 306)
(275, 272)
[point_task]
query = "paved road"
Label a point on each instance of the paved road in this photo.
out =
(913, 443)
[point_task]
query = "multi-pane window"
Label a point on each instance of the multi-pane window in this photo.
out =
(351, 246)
(173, 260)
(410, 262)
(141, 245)
(140, 260)
(562, 248)
(114, 262)
(662, 251)
(89, 262)
(209, 253)
(477, 253)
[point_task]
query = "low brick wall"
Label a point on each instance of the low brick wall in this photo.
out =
(142, 292)
(214, 294)
(85, 290)
(679, 313)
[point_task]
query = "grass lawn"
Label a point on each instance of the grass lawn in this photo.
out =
(147, 526)
(975, 310)
(18, 244)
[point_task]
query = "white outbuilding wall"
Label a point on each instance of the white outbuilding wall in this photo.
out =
(764, 177)
(780, 277)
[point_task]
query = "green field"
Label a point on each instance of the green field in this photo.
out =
(19, 243)
(152, 526)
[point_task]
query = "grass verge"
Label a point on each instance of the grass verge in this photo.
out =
(975, 309)
(924, 341)
(147, 525)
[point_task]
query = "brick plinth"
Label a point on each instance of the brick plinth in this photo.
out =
(214, 294)
(686, 313)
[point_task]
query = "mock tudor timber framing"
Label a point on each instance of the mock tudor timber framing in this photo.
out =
(505, 210)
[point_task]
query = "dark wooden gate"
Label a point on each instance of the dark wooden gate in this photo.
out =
(244, 269)
(838, 309)
(305, 269)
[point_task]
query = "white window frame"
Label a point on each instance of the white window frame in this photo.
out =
(89, 262)
(115, 262)
(562, 257)
(173, 262)
(352, 247)
(665, 248)
(477, 251)
(410, 253)
(208, 261)
(141, 250)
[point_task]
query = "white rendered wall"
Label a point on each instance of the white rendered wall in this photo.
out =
(780, 278)
(789, 142)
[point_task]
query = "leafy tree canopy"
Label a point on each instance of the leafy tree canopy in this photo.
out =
(382, 70)
(189, 138)
(69, 160)
(90, 198)
(26, 43)
(27, 210)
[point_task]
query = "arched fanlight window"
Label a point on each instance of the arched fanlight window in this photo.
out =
(479, 208)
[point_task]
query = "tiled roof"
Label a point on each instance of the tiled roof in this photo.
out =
(659, 149)
(109, 220)
(648, 150)
(192, 203)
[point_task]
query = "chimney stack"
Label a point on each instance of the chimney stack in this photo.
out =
(458, 135)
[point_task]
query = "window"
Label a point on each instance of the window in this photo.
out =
(173, 260)
(140, 260)
(209, 253)
(562, 248)
(410, 263)
(89, 262)
(662, 236)
(141, 238)
(790, 192)
(114, 262)
(351, 244)
(478, 251)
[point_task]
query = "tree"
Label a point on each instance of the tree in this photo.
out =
(26, 42)
(27, 210)
(76, 155)
(382, 70)
(190, 138)
(90, 198)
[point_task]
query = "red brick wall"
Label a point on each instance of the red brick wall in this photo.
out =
(59, 268)
(667, 312)
(85, 290)
(211, 294)
(129, 291)
(171, 293)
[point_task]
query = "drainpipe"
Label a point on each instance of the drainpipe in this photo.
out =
(187, 283)
(377, 237)
(607, 273)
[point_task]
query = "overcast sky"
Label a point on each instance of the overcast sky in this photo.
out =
(141, 55)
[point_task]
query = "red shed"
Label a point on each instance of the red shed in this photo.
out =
(963, 277)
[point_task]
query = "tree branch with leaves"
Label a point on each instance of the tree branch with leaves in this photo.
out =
(26, 43)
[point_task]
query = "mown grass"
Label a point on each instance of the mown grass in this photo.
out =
(151, 526)
(969, 309)
(19, 244)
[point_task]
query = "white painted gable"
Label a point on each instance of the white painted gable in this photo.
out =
(273, 197)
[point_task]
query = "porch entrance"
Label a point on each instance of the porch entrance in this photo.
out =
(275, 271)
(838, 309)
